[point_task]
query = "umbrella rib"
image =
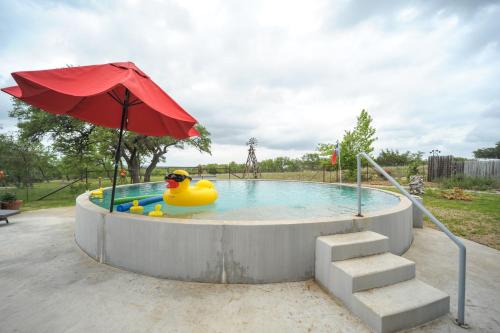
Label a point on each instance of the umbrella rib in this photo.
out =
(76, 105)
(136, 102)
(115, 97)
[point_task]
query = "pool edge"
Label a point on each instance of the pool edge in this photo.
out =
(224, 251)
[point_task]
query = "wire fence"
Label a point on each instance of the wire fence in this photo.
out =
(320, 174)
(71, 184)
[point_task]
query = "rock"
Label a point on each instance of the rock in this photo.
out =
(416, 185)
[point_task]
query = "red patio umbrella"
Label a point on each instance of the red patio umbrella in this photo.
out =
(115, 95)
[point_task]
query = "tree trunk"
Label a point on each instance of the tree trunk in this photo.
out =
(106, 170)
(151, 167)
(133, 162)
(43, 174)
(134, 170)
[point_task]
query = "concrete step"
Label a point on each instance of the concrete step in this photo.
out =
(345, 246)
(379, 270)
(400, 306)
(356, 244)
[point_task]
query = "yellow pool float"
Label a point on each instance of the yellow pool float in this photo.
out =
(136, 209)
(157, 212)
(97, 193)
(179, 193)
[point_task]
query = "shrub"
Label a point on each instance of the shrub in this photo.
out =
(456, 194)
(8, 196)
(470, 183)
(413, 168)
(77, 188)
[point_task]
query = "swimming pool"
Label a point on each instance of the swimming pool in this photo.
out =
(258, 231)
(265, 200)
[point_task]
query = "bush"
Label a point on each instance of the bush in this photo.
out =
(470, 183)
(77, 188)
(456, 194)
(7, 196)
(413, 169)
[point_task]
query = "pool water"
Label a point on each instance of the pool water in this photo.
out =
(265, 200)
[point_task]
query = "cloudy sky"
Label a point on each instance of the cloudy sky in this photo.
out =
(291, 73)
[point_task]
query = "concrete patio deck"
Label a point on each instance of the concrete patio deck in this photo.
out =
(47, 284)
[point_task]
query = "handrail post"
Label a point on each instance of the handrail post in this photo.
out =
(358, 161)
(461, 288)
(460, 320)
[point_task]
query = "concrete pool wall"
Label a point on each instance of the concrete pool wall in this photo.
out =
(224, 251)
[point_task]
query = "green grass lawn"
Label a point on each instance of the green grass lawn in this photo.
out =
(477, 220)
(65, 197)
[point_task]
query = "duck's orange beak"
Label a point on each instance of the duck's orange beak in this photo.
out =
(172, 183)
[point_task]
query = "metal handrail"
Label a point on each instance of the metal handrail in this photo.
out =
(462, 250)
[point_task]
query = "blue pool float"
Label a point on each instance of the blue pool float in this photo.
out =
(126, 206)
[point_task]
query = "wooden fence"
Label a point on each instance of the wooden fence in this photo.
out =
(440, 167)
(447, 166)
(482, 168)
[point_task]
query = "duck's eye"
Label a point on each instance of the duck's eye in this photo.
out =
(176, 177)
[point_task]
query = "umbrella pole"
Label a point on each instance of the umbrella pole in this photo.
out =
(118, 149)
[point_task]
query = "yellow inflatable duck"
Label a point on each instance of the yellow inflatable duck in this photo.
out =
(157, 212)
(97, 193)
(179, 192)
(136, 209)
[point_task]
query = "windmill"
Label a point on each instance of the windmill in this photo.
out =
(252, 166)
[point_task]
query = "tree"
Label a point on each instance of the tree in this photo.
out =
(157, 147)
(311, 161)
(325, 151)
(281, 164)
(391, 157)
(211, 168)
(360, 139)
(24, 162)
(83, 145)
(70, 137)
(237, 167)
(414, 163)
(493, 152)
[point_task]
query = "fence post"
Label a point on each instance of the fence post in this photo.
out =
(358, 160)
(429, 169)
(323, 173)
(86, 178)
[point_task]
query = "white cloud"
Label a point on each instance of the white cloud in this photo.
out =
(290, 73)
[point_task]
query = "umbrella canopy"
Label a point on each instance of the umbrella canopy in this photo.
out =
(96, 94)
(115, 95)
